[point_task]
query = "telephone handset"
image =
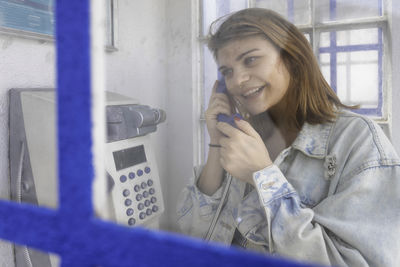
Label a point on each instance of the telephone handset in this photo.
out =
(231, 120)
(223, 117)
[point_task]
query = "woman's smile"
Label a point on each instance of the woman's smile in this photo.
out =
(253, 93)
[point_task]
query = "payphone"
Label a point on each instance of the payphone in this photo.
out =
(134, 188)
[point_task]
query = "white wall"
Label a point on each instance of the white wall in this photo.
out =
(139, 68)
(153, 64)
(183, 112)
(23, 63)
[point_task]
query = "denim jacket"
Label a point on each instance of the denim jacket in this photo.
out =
(332, 197)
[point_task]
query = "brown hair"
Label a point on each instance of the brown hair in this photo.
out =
(309, 97)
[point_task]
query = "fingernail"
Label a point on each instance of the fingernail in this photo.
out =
(237, 118)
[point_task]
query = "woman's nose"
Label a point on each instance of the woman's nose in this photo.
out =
(240, 78)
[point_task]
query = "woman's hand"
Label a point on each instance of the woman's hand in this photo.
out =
(218, 103)
(242, 151)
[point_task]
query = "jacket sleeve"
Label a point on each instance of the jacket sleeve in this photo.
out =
(195, 209)
(358, 225)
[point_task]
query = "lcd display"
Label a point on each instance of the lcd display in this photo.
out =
(129, 157)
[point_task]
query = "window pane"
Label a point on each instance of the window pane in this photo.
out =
(357, 77)
(302, 12)
(331, 10)
(325, 39)
(364, 81)
(214, 9)
(356, 37)
(350, 37)
(325, 61)
(351, 61)
(296, 11)
(280, 7)
(308, 37)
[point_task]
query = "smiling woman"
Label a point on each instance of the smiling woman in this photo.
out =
(292, 179)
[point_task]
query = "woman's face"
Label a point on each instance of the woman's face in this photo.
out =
(254, 72)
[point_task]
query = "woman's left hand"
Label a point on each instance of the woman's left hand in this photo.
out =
(243, 152)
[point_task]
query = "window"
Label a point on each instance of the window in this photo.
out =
(349, 38)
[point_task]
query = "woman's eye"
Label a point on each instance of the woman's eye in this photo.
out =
(249, 60)
(226, 72)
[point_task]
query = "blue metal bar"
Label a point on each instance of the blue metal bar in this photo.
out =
(333, 61)
(26, 224)
(74, 107)
(332, 9)
(333, 53)
(380, 7)
(349, 48)
(290, 10)
(380, 72)
(369, 111)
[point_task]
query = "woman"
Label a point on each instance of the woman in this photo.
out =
(311, 180)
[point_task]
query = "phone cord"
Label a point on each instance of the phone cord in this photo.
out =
(221, 204)
(19, 198)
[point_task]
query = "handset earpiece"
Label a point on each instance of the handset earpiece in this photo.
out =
(223, 117)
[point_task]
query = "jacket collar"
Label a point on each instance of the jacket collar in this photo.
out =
(313, 140)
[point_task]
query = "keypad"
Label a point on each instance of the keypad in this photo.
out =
(139, 195)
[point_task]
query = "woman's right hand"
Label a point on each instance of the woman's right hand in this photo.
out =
(218, 103)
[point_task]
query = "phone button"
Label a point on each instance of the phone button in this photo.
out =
(155, 208)
(131, 221)
(147, 170)
(129, 212)
(131, 175)
(139, 172)
(126, 193)
(149, 212)
(128, 202)
(123, 178)
(142, 215)
(143, 185)
(140, 206)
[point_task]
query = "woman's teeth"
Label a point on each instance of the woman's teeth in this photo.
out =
(252, 92)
